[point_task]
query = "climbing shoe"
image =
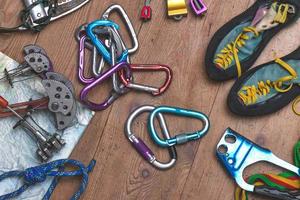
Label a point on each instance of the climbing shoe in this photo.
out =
(235, 46)
(267, 88)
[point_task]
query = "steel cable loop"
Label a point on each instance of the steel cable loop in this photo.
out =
(39, 174)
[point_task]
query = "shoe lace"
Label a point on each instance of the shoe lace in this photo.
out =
(230, 51)
(250, 94)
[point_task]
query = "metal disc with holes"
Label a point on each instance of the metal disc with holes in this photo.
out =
(31, 48)
(60, 96)
(38, 62)
(64, 121)
(61, 78)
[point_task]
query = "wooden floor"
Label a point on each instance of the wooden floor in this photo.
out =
(120, 172)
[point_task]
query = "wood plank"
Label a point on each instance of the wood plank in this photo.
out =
(120, 172)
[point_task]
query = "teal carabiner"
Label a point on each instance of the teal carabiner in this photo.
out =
(181, 138)
(99, 44)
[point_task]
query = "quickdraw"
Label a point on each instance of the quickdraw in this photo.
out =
(236, 153)
(39, 13)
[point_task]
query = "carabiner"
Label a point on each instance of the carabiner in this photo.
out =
(181, 138)
(81, 62)
(128, 24)
(25, 107)
(148, 67)
(99, 80)
(99, 44)
(237, 153)
(141, 147)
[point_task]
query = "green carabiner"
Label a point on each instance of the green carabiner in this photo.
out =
(181, 138)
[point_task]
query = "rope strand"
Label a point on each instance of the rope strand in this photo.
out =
(39, 174)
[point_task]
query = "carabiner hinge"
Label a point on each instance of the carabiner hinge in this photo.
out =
(148, 67)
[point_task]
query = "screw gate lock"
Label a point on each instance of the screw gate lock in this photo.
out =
(198, 6)
(141, 147)
(177, 9)
(182, 138)
(237, 153)
(148, 67)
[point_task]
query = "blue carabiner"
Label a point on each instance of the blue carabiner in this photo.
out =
(99, 44)
(181, 138)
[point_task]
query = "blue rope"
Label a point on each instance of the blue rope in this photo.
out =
(40, 173)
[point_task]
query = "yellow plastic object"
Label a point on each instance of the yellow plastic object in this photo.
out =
(177, 8)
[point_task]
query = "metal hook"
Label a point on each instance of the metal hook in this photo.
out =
(148, 67)
(99, 80)
(237, 153)
(129, 26)
(181, 138)
(142, 148)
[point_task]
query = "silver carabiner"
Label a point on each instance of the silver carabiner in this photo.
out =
(142, 148)
(128, 24)
(117, 86)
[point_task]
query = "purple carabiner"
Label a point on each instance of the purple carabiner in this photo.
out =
(102, 106)
(81, 76)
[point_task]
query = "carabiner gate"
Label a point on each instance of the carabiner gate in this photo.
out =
(142, 148)
(181, 138)
(148, 67)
